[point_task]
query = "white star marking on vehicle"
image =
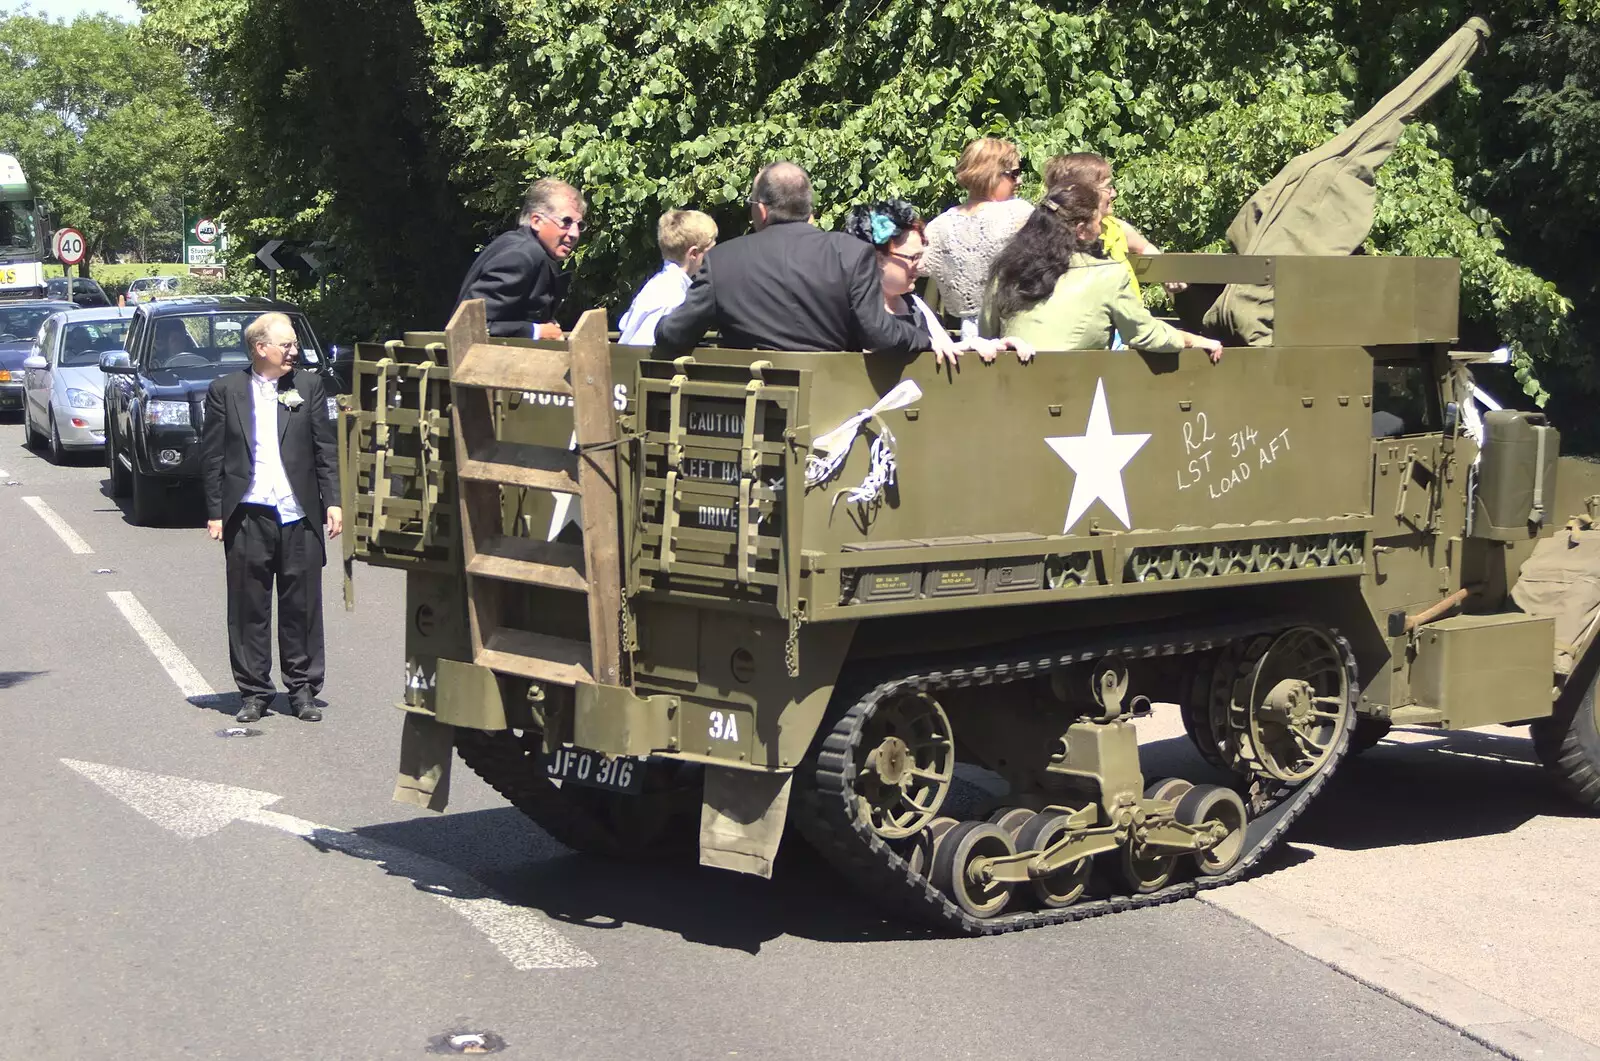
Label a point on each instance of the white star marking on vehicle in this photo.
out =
(1098, 457)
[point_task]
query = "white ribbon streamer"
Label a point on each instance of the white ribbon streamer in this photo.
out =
(831, 449)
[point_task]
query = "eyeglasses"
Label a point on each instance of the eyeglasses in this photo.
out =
(292, 344)
(574, 224)
(911, 261)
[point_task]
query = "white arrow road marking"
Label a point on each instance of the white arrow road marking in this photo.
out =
(167, 653)
(193, 809)
(57, 524)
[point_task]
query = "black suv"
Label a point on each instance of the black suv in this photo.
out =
(85, 292)
(156, 390)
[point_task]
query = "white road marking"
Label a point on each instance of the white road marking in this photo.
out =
(171, 658)
(57, 524)
(4, 474)
(193, 809)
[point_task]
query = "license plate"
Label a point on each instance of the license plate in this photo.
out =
(583, 767)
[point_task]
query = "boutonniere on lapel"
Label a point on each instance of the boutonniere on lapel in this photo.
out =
(288, 397)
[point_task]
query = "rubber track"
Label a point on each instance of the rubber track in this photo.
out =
(826, 808)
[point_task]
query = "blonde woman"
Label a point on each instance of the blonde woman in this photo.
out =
(963, 241)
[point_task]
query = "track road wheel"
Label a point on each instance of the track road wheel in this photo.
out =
(1011, 819)
(953, 857)
(920, 856)
(1168, 788)
(1568, 743)
(1293, 712)
(1205, 804)
(1067, 885)
(1144, 874)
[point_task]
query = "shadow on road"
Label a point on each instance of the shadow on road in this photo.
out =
(11, 678)
(1456, 785)
(706, 906)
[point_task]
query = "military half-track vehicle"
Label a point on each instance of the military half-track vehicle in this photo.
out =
(739, 590)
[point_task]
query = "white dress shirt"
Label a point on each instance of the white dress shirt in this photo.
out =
(661, 294)
(270, 484)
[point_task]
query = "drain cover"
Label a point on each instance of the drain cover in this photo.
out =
(465, 1043)
(239, 731)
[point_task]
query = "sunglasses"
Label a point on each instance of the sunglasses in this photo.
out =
(574, 224)
(1015, 174)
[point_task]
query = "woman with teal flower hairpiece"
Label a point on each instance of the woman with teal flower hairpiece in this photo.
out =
(896, 233)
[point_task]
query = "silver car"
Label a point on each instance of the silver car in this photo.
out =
(64, 406)
(145, 288)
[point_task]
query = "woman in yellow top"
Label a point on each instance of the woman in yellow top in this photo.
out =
(1054, 287)
(1093, 171)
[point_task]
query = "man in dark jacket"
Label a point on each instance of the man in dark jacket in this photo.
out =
(270, 465)
(518, 275)
(788, 285)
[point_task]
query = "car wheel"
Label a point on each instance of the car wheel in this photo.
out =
(58, 454)
(121, 481)
(146, 499)
(31, 438)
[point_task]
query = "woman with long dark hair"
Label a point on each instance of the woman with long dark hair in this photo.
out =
(1053, 286)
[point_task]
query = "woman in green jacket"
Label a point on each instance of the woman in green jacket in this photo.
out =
(1053, 287)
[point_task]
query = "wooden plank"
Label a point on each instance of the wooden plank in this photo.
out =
(553, 564)
(472, 423)
(514, 368)
(521, 464)
(538, 656)
(595, 423)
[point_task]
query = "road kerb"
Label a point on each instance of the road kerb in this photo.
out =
(1478, 1016)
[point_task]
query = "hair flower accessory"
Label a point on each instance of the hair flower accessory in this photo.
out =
(883, 228)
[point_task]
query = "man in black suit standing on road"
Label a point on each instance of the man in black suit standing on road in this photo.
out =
(788, 285)
(270, 464)
(518, 275)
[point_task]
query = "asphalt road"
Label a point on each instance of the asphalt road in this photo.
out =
(145, 916)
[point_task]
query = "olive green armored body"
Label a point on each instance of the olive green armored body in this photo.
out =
(658, 603)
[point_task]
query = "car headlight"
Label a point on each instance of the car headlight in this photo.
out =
(172, 414)
(88, 400)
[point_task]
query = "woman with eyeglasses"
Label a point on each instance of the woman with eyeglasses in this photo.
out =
(896, 232)
(963, 241)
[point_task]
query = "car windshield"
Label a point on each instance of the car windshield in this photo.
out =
(22, 322)
(16, 226)
(85, 342)
(204, 343)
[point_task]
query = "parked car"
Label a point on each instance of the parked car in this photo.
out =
(155, 389)
(85, 292)
(145, 288)
(20, 322)
(64, 406)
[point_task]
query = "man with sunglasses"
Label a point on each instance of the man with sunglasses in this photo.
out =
(519, 275)
(269, 462)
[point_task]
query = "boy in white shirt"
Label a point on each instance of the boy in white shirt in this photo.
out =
(684, 237)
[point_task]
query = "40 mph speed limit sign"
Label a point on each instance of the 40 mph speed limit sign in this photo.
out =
(69, 246)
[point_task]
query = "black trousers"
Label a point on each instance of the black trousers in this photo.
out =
(260, 550)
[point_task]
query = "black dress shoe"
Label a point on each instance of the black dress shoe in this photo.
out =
(305, 707)
(254, 707)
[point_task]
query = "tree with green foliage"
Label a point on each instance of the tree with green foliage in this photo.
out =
(106, 125)
(669, 103)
